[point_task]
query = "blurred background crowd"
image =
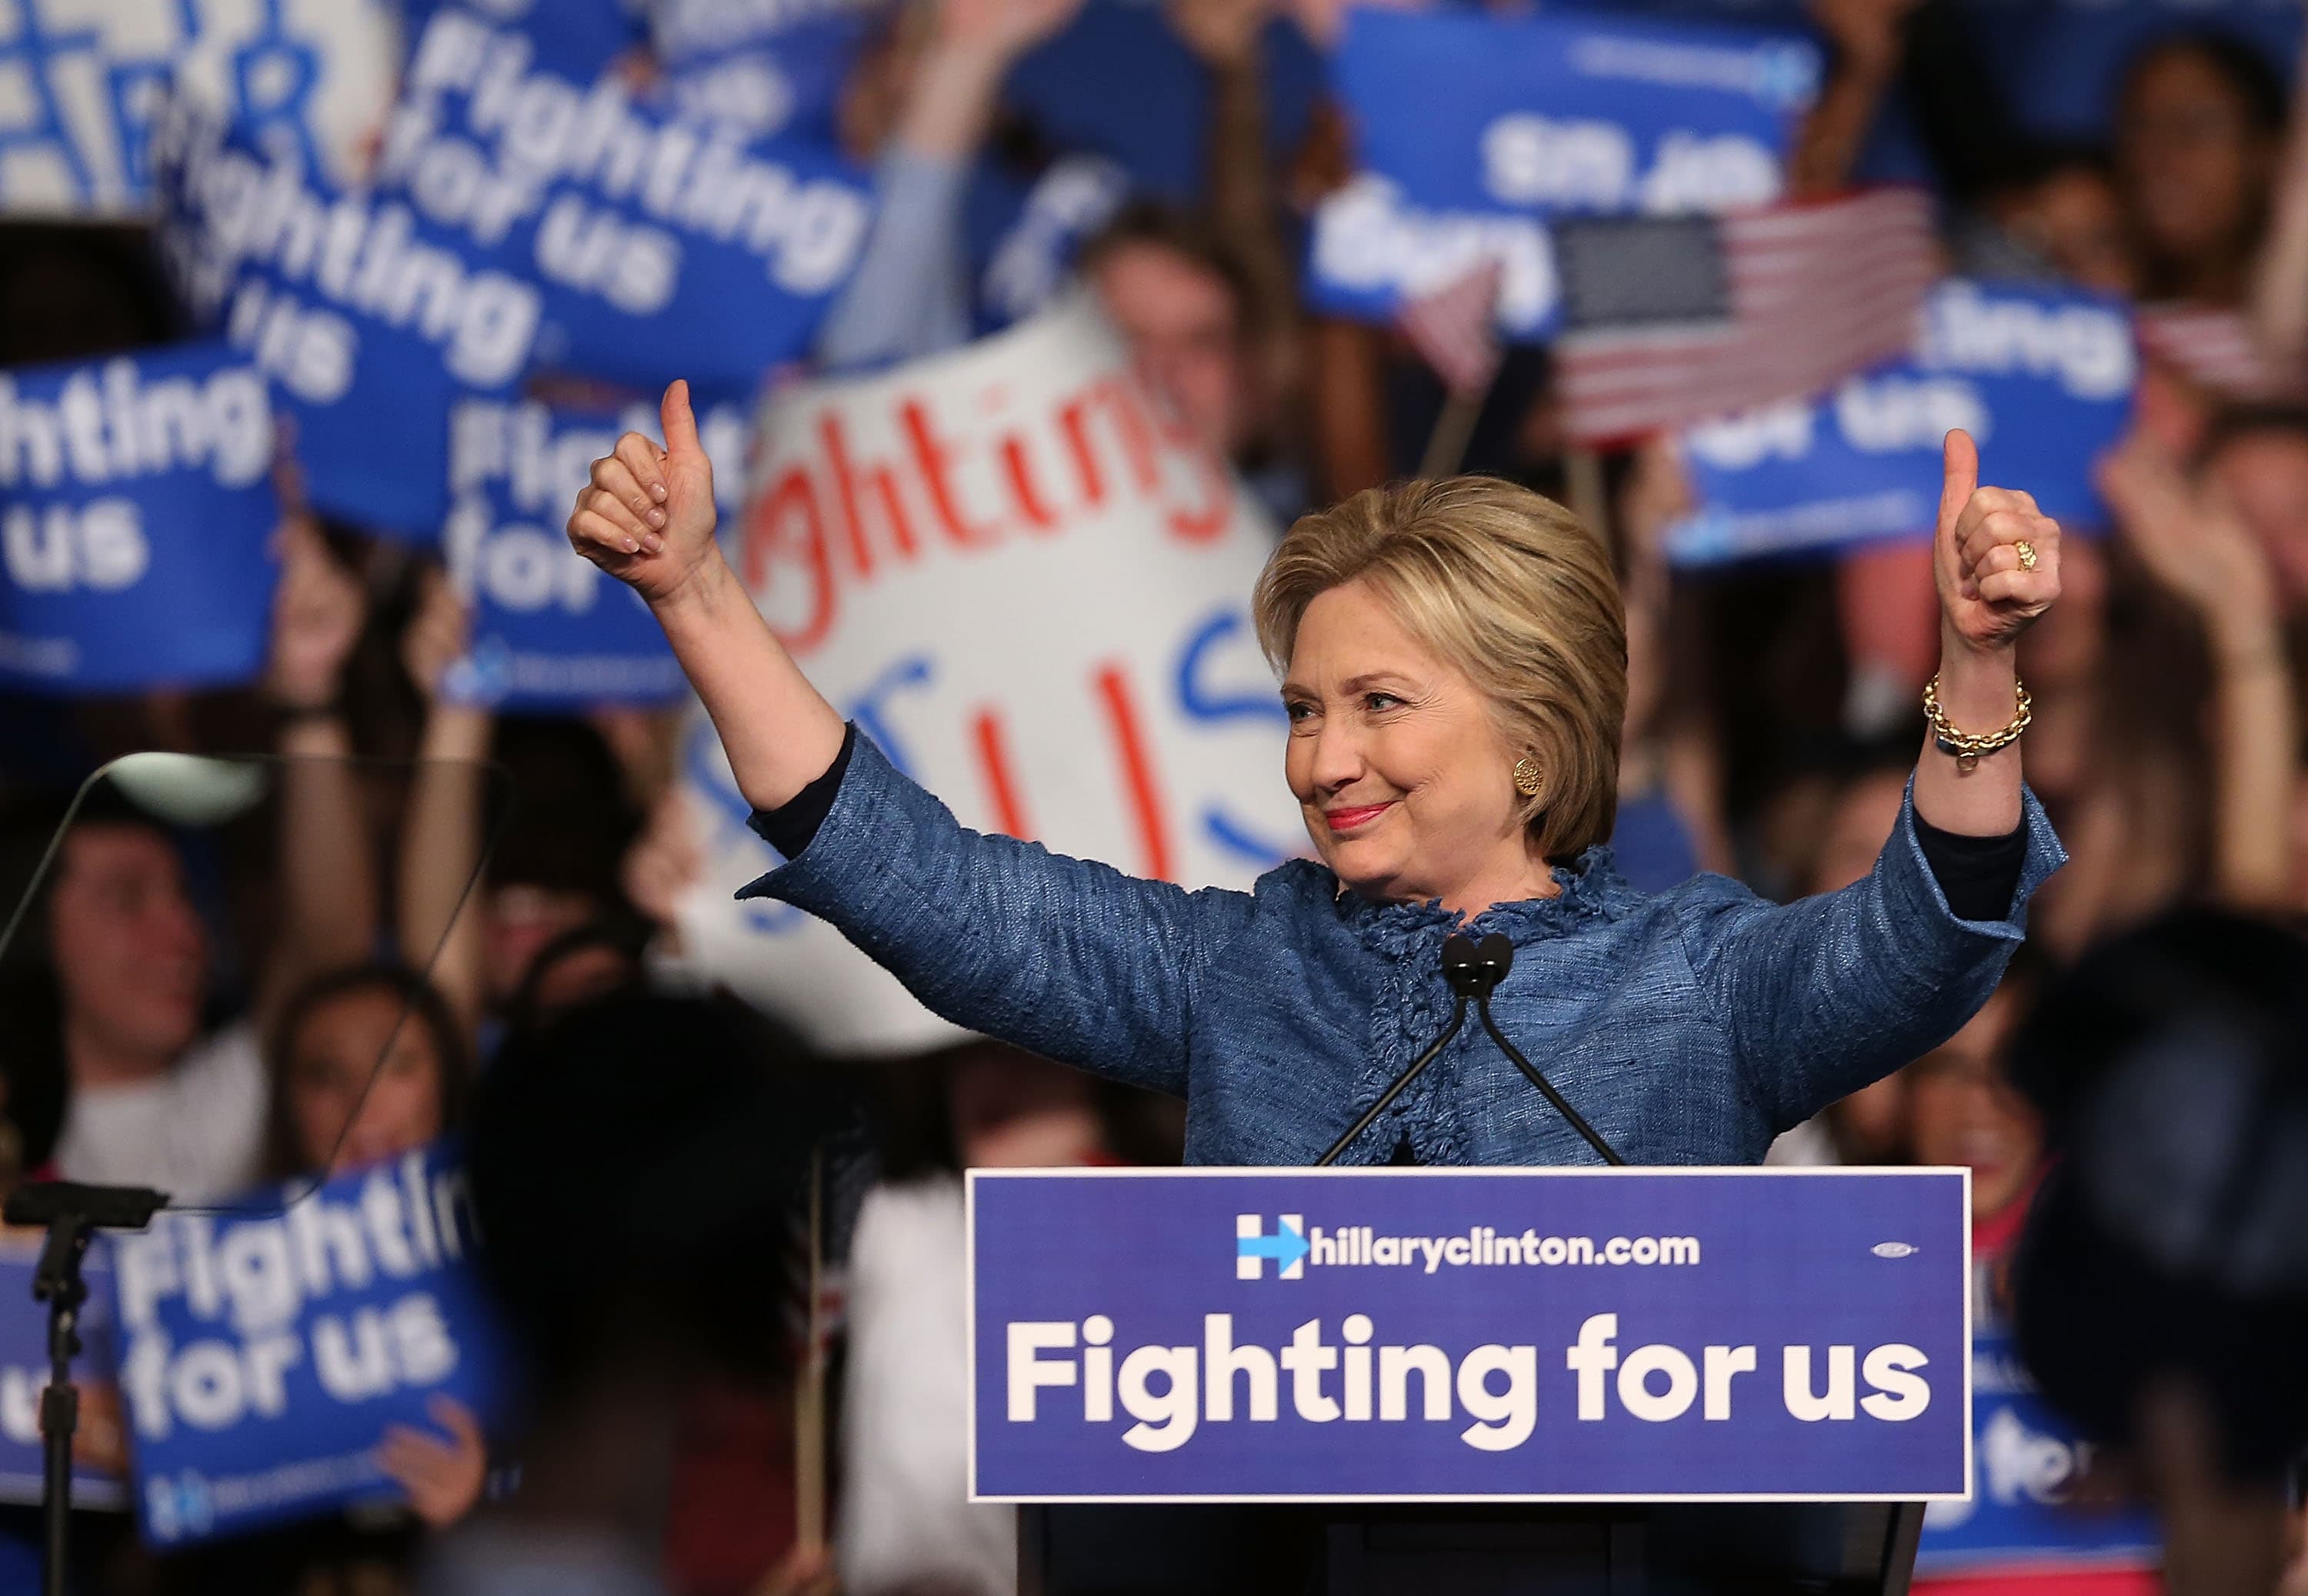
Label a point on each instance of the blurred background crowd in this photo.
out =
(491, 935)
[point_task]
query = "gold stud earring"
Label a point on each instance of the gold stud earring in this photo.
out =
(1526, 777)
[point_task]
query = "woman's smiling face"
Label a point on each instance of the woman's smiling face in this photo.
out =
(1408, 792)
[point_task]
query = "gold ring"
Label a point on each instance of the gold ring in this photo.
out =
(2027, 553)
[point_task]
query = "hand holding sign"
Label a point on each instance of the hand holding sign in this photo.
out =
(649, 518)
(1998, 561)
(444, 1479)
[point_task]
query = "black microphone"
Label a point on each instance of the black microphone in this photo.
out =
(1474, 970)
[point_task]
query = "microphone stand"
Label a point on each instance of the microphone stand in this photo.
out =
(1474, 970)
(1457, 1018)
(73, 1214)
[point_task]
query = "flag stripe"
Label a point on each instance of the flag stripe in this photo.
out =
(1817, 290)
(2216, 349)
(1455, 328)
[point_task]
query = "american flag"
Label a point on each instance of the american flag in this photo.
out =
(1671, 319)
(2216, 350)
(1455, 328)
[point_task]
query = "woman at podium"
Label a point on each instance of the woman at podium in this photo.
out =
(1454, 659)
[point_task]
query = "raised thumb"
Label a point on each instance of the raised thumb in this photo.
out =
(1962, 463)
(680, 422)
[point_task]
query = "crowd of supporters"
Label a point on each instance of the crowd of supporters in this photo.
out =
(487, 937)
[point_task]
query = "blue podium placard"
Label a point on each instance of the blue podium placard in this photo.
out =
(1444, 1334)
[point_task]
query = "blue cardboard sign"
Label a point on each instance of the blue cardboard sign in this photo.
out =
(1119, 83)
(24, 1373)
(137, 518)
(264, 1355)
(769, 67)
(1023, 239)
(1431, 1333)
(85, 82)
(2040, 375)
(550, 632)
(641, 229)
(1470, 130)
(2026, 1461)
(367, 321)
(582, 37)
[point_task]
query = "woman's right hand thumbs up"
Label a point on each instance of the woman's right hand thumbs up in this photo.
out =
(647, 517)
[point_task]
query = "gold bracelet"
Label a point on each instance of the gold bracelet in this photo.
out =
(1965, 746)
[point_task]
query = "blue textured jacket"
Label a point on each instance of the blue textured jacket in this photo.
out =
(1690, 1027)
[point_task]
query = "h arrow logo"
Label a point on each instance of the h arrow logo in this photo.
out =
(1252, 1247)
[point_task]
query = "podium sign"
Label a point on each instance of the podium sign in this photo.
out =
(1441, 1335)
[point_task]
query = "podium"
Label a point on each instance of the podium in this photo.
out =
(1407, 1382)
(1485, 1550)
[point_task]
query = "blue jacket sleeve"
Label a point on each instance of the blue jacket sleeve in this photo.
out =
(1065, 957)
(1828, 994)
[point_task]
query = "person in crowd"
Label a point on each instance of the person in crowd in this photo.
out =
(115, 981)
(585, 961)
(904, 1516)
(1454, 658)
(633, 1162)
(2226, 568)
(2254, 460)
(553, 870)
(2158, 1288)
(1201, 294)
(368, 1063)
(1964, 1112)
(2198, 126)
(2056, 213)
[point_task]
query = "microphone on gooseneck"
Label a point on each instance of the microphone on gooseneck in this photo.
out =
(1458, 951)
(1474, 970)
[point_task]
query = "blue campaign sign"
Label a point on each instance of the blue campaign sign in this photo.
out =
(1118, 82)
(550, 632)
(2040, 375)
(264, 1355)
(1432, 1334)
(24, 1373)
(582, 37)
(367, 321)
(2026, 1461)
(137, 518)
(642, 229)
(1024, 238)
(769, 67)
(1470, 130)
(85, 81)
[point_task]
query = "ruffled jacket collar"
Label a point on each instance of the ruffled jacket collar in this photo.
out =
(1592, 887)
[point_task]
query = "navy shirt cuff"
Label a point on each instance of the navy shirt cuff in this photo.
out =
(789, 827)
(1978, 875)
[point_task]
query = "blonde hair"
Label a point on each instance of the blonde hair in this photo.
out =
(1511, 588)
